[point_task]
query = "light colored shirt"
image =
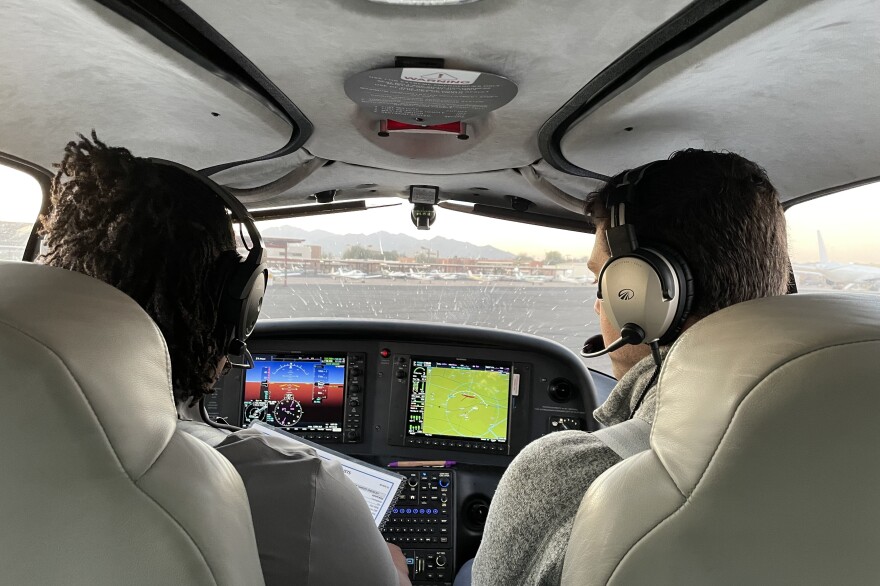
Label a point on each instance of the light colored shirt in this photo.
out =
(312, 525)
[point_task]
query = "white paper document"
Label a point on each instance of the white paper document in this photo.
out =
(379, 487)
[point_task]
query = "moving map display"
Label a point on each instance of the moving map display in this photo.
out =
(304, 393)
(459, 399)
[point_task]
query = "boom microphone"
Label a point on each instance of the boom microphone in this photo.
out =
(593, 344)
(629, 334)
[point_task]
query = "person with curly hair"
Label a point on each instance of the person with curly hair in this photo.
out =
(156, 232)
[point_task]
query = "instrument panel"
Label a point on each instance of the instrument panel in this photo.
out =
(398, 390)
(463, 399)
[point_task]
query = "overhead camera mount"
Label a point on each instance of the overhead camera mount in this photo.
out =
(423, 198)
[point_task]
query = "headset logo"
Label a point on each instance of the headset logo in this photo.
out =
(626, 294)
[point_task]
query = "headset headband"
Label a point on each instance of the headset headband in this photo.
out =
(620, 196)
(256, 252)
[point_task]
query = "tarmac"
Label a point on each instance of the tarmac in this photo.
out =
(562, 312)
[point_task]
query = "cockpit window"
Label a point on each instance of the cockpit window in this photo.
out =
(834, 241)
(20, 198)
(465, 270)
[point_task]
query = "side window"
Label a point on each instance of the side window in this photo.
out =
(20, 199)
(834, 241)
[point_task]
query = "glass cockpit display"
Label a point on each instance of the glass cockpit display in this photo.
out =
(451, 398)
(298, 393)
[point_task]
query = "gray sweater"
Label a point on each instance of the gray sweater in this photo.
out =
(531, 515)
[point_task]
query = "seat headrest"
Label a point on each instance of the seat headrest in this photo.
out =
(77, 326)
(748, 342)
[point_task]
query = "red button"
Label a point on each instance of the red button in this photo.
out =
(384, 352)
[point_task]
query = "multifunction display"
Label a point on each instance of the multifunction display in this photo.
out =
(296, 392)
(458, 399)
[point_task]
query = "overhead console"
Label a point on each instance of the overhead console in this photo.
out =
(397, 390)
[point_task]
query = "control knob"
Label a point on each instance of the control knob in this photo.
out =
(440, 560)
(354, 402)
(353, 435)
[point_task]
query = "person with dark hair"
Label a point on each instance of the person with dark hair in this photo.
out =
(721, 214)
(157, 233)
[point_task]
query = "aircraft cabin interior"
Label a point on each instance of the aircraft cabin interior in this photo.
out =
(418, 171)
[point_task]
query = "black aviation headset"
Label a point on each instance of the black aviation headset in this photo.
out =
(242, 279)
(646, 291)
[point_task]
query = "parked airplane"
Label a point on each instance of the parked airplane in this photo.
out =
(518, 276)
(566, 277)
(837, 274)
(393, 274)
(419, 276)
(352, 275)
(481, 277)
(291, 272)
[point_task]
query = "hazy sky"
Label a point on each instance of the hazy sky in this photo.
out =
(848, 221)
(20, 196)
(850, 225)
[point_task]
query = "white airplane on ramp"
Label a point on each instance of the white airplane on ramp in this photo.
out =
(353, 275)
(841, 275)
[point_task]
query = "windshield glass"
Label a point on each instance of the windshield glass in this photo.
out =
(466, 270)
(20, 198)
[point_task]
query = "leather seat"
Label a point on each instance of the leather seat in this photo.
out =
(97, 485)
(764, 466)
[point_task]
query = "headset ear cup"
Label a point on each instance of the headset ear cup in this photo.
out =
(252, 302)
(686, 292)
(636, 281)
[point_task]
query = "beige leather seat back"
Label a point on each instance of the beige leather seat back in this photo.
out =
(96, 485)
(764, 465)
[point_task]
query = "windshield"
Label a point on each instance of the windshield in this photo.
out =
(466, 270)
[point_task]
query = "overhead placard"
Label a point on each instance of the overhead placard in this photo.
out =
(428, 96)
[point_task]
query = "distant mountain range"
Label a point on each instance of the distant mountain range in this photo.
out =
(336, 244)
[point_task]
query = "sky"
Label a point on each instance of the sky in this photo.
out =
(20, 196)
(849, 221)
(850, 225)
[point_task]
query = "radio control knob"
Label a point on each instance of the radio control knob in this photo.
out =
(353, 436)
(355, 371)
(355, 388)
(440, 560)
(354, 402)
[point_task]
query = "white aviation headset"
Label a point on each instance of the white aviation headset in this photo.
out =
(646, 291)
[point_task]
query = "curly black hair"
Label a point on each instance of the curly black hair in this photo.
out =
(153, 232)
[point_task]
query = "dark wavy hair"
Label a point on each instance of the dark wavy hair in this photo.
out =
(720, 212)
(153, 232)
